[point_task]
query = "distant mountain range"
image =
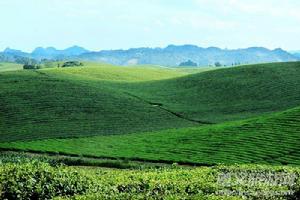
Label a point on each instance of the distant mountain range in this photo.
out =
(296, 53)
(172, 55)
(50, 53)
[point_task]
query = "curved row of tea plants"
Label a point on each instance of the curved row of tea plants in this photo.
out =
(36, 105)
(226, 94)
(270, 139)
(102, 100)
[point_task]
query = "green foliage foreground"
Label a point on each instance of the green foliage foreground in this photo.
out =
(36, 180)
(40, 181)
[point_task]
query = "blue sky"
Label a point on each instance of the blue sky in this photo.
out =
(115, 24)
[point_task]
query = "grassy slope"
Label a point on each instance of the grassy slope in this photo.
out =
(227, 94)
(10, 67)
(213, 96)
(272, 139)
(59, 103)
(106, 72)
(37, 104)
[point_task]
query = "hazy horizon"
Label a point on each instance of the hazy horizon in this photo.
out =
(118, 24)
(162, 47)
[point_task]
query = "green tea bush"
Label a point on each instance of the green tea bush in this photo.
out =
(209, 183)
(22, 157)
(40, 180)
(141, 196)
(37, 180)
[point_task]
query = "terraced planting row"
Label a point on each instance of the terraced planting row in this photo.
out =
(101, 100)
(59, 110)
(226, 94)
(34, 105)
(272, 139)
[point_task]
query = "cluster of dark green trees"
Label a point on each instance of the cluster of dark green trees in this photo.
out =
(72, 64)
(31, 66)
(188, 63)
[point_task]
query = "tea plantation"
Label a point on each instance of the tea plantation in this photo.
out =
(178, 132)
(271, 139)
(99, 100)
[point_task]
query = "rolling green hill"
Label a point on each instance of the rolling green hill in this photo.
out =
(226, 94)
(79, 102)
(106, 72)
(211, 96)
(272, 139)
(103, 99)
(35, 105)
(155, 113)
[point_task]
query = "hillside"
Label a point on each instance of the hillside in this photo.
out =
(270, 139)
(101, 100)
(105, 72)
(39, 104)
(226, 94)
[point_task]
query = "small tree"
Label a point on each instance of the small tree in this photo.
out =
(218, 64)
